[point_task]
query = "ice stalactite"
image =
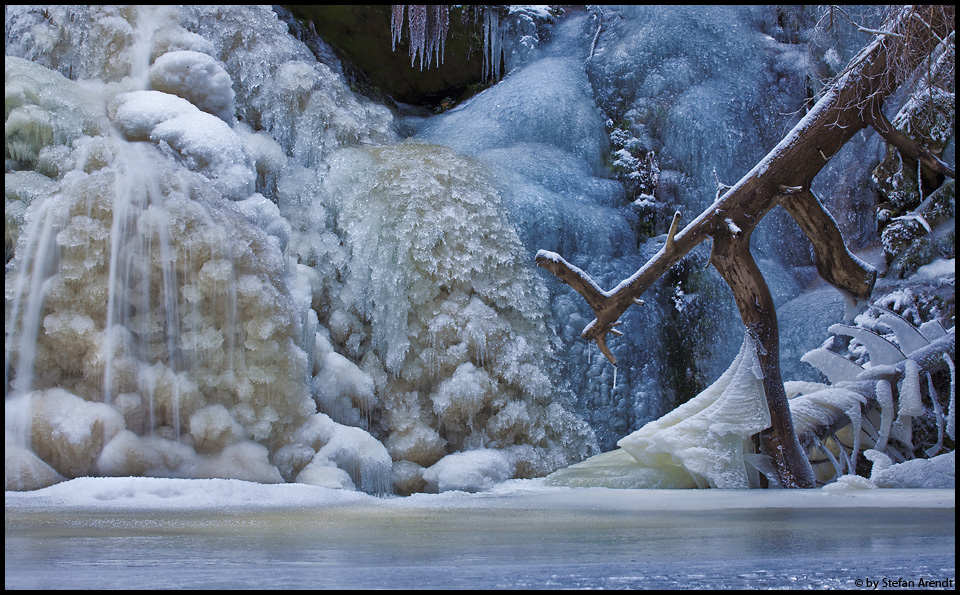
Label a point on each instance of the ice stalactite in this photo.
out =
(492, 44)
(428, 26)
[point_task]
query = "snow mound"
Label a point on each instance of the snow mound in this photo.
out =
(360, 460)
(470, 471)
(200, 141)
(937, 472)
(196, 77)
(154, 494)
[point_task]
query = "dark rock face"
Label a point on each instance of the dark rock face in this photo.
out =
(362, 35)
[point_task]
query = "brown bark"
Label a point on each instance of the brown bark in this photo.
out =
(782, 177)
(731, 256)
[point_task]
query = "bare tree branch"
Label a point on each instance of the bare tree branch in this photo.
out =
(784, 177)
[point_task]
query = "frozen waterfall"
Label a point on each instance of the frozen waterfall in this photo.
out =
(228, 264)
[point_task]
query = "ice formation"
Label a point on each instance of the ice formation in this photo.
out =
(208, 281)
(458, 347)
(428, 25)
(706, 442)
(708, 435)
(227, 264)
(160, 301)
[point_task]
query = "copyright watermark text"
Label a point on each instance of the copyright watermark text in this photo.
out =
(905, 583)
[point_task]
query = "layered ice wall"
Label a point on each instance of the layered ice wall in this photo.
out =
(542, 134)
(204, 284)
(458, 347)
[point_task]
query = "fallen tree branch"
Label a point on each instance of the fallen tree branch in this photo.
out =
(782, 177)
(929, 359)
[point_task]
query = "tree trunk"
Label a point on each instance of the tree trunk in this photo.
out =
(783, 177)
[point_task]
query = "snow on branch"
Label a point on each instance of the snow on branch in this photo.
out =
(783, 177)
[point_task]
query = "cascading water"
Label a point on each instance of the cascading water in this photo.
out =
(186, 290)
(150, 326)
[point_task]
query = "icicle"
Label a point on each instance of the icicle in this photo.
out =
(826, 451)
(845, 459)
(492, 44)
(417, 20)
(614, 378)
(910, 404)
(952, 412)
(396, 25)
(428, 26)
(938, 411)
(885, 399)
(438, 38)
(856, 421)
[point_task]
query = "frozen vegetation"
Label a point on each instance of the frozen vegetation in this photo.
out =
(227, 264)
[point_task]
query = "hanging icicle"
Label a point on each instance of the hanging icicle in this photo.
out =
(492, 44)
(951, 428)
(396, 25)
(428, 25)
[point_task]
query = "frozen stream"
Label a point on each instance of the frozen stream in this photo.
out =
(168, 533)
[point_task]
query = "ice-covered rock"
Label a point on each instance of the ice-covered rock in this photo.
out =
(362, 461)
(202, 142)
(23, 470)
(470, 471)
(196, 77)
(937, 472)
(69, 432)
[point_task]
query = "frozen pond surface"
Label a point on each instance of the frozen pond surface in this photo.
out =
(167, 533)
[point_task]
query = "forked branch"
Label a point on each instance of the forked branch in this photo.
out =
(783, 177)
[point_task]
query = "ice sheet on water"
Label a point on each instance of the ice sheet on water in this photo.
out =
(145, 494)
